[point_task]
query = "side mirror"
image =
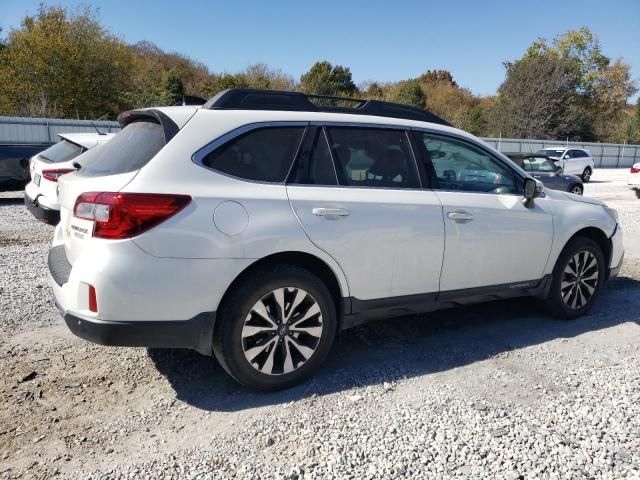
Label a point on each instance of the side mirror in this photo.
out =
(530, 191)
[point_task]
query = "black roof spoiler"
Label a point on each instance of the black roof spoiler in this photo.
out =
(169, 127)
(257, 99)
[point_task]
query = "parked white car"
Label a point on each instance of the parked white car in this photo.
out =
(258, 226)
(69, 154)
(634, 179)
(574, 161)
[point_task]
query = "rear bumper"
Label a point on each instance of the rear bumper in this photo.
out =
(42, 213)
(195, 333)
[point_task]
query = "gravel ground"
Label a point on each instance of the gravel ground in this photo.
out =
(491, 391)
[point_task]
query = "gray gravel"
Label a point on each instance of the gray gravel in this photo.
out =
(491, 391)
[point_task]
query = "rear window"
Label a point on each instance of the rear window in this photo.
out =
(62, 151)
(131, 149)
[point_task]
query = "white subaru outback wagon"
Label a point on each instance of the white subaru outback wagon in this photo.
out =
(258, 226)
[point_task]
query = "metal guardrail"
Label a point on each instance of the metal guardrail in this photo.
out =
(45, 130)
(605, 155)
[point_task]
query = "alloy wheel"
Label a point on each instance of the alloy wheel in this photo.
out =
(586, 175)
(576, 190)
(282, 331)
(579, 280)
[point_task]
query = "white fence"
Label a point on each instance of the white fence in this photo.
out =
(608, 155)
(45, 130)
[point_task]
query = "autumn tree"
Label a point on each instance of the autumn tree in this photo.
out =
(63, 64)
(323, 78)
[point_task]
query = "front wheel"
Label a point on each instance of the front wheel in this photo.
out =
(578, 277)
(586, 175)
(277, 327)
(576, 189)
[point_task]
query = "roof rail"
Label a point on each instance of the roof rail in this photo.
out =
(258, 99)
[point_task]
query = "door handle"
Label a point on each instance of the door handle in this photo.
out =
(460, 216)
(330, 212)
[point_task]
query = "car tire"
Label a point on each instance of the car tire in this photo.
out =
(260, 336)
(576, 189)
(575, 285)
(586, 175)
(637, 193)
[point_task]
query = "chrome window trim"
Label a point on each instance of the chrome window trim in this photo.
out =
(199, 155)
(406, 130)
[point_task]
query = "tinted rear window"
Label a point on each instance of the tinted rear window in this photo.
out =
(131, 149)
(62, 151)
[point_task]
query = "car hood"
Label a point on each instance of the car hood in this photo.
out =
(566, 196)
(583, 199)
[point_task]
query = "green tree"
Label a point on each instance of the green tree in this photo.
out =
(409, 92)
(326, 79)
(374, 91)
(63, 64)
(174, 90)
(565, 89)
(539, 99)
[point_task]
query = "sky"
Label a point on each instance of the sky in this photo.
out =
(378, 40)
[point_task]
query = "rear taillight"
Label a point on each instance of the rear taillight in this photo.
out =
(635, 169)
(53, 175)
(124, 215)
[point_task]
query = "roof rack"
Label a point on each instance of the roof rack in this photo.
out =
(257, 99)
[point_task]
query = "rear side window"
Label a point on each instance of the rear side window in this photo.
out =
(262, 155)
(314, 166)
(131, 149)
(373, 157)
(62, 151)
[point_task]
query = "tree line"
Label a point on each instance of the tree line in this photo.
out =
(66, 64)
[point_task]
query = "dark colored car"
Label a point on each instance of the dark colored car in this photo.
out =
(14, 164)
(544, 169)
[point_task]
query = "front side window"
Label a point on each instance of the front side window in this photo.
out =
(263, 155)
(62, 151)
(538, 164)
(129, 150)
(460, 166)
(373, 157)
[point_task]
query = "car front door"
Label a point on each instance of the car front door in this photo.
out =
(356, 193)
(491, 238)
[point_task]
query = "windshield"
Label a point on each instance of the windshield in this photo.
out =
(551, 152)
(538, 164)
(129, 150)
(62, 151)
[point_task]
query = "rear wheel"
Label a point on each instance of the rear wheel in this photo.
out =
(586, 175)
(277, 327)
(576, 189)
(637, 193)
(577, 279)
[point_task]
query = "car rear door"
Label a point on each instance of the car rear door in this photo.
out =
(491, 238)
(356, 193)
